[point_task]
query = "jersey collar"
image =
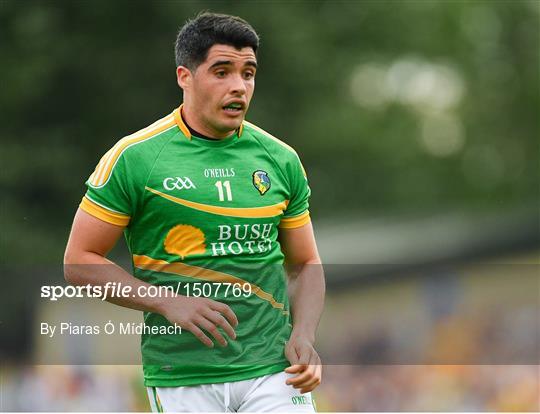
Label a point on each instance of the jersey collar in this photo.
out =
(177, 113)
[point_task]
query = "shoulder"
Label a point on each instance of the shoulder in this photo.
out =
(272, 144)
(283, 154)
(138, 148)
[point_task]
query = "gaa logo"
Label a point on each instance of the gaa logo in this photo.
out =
(177, 183)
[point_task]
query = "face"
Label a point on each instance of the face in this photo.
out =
(218, 92)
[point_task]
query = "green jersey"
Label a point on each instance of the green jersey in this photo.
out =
(202, 217)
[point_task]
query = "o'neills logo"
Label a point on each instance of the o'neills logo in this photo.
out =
(219, 172)
(177, 183)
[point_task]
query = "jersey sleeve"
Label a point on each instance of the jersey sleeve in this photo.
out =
(297, 212)
(110, 194)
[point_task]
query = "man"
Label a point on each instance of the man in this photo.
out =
(211, 204)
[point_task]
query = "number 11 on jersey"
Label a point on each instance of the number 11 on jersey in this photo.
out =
(227, 185)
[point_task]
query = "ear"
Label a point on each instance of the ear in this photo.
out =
(183, 77)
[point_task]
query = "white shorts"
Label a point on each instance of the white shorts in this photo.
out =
(264, 394)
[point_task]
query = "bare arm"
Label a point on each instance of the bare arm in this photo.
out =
(85, 260)
(85, 263)
(307, 304)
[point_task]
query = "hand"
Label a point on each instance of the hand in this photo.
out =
(305, 362)
(195, 314)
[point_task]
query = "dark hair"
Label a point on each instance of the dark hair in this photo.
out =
(198, 35)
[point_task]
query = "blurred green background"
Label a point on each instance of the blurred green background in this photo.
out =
(417, 122)
(413, 106)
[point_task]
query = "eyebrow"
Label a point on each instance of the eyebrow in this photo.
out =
(251, 63)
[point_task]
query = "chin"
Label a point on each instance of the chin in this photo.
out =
(232, 124)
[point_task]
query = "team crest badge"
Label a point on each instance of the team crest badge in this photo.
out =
(261, 181)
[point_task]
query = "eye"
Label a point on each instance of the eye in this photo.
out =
(220, 73)
(249, 75)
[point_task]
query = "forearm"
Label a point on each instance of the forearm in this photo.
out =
(307, 300)
(88, 268)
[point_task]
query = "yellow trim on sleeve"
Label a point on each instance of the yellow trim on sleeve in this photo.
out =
(104, 169)
(295, 222)
(103, 214)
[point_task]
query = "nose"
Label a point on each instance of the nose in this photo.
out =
(238, 85)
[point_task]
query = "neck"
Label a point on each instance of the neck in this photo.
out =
(200, 126)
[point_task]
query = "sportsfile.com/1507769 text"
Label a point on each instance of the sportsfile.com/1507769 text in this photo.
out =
(118, 290)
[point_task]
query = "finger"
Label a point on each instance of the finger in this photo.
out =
(318, 371)
(299, 380)
(310, 388)
(317, 378)
(313, 381)
(209, 327)
(300, 362)
(307, 375)
(226, 311)
(218, 319)
(194, 329)
(212, 329)
(293, 369)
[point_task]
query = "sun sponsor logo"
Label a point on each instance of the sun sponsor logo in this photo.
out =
(185, 240)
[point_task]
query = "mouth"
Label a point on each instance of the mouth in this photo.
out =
(234, 108)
